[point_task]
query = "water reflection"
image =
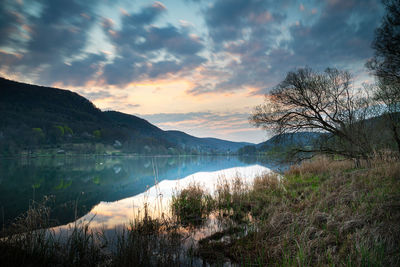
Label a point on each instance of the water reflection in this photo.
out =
(103, 185)
(109, 215)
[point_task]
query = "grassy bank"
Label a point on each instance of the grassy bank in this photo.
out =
(145, 242)
(322, 212)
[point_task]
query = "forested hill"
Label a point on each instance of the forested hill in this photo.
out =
(299, 139)
(35, 117)
(187, 140)
(283, 143)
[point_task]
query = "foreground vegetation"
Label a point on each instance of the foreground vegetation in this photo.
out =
(144, 242)
(322, 212)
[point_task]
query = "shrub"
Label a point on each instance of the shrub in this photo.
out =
(191, 205)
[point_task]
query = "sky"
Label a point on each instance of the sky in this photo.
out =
(199, 66)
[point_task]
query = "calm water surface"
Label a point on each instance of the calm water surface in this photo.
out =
(110, 191)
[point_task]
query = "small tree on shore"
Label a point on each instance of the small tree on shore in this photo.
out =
(323, 102)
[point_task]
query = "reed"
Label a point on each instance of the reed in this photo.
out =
(192, 205)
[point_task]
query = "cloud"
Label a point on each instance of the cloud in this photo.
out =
(133, 105)
(200, 120)
(147, 14)
(121, 106)
(8, 59)
(59, 33)
(144, 50)
(228, 20)
(10, 22)
(258, 55)
(229, 126)
(76, 73)
(97, 95)
(242, 32)
(56, 34)
(342, 34)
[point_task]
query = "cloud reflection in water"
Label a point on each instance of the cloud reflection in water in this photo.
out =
(109, 215)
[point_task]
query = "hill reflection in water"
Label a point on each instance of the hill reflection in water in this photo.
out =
(109, 215)
(78, 184)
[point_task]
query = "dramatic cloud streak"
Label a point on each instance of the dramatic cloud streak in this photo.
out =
(146, 51)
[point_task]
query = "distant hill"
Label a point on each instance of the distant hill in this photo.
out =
(186, 140)
(300, 139)
(132, 122)
(280, 144)
(177, 138)
(34, 117)
(377, 130)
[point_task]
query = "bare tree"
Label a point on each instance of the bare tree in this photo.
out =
(386, 66)
(324, 102)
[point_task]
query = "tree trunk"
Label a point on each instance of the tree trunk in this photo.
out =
(396, 135)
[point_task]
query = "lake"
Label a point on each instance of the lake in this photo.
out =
(110, 191)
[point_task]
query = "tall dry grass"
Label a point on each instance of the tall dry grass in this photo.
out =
(144, 242)
(322, 212)
(30, 241)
